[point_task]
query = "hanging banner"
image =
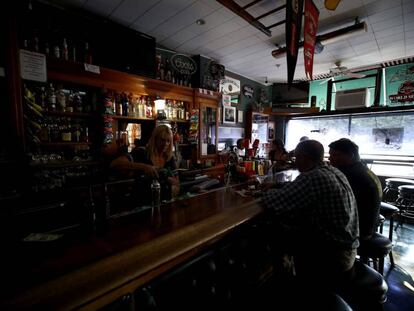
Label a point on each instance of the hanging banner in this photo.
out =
(294, 9)
(309, 36)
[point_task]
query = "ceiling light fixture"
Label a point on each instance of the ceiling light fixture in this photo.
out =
(330, 37)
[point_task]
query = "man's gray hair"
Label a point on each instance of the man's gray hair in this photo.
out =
(311, 149)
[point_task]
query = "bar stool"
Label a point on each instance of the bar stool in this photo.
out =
(367, 290)
(380, 223)
(388, 211)
(390, 193)
(405, 201)
(375, 249)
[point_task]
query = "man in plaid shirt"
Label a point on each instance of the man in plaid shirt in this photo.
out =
(316, 216)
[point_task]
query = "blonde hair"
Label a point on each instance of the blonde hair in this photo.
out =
(160, 133)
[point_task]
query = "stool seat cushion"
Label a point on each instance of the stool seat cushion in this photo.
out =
(381, 219)
(377, 246)
(395, 182)
(406, 188)
(368, 284)
(388, 210)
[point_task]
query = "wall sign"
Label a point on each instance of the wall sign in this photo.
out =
(230, 86)
(400, 84)
(183, 64)
(248, 91)
(33, 66)
(226, 100)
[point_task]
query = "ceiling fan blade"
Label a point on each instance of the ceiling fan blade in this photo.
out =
(355, 75)
(325, 81)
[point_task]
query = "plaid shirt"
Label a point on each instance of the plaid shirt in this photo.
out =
(320, 200)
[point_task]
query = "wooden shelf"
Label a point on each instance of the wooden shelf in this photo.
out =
(116, 117)
(61, 144)
(59, 164)
(69, 114)
(74, 72)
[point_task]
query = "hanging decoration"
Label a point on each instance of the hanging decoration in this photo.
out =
(331, 4)
(309, 34)
(294, 9)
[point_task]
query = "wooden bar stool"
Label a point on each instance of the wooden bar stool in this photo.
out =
(375, 249)
(367, 290)
(388, 211)
(405, 202)
(390, 193)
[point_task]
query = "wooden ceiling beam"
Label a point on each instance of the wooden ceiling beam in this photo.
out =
(238, 10)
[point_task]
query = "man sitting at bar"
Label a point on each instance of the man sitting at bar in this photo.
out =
(316, 218)
(344, 155)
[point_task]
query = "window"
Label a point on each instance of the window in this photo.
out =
(386, 139)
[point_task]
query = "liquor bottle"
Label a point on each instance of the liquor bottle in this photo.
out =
(51, 98)
(88, 54)
(158, 66)
(47, 50)
(77, 102)
(156, 193)
(125, 105)
(61, 99)
(168, 72)
(56, 51)
(65, 52)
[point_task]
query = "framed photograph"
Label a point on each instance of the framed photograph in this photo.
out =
(229, 115)
(240, 116)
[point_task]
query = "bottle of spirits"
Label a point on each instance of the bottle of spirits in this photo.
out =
(88, 54)
(65, 52)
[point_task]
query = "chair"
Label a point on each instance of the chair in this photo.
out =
(388, 211)
(375, 249)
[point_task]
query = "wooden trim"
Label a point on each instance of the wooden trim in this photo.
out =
(14, 82)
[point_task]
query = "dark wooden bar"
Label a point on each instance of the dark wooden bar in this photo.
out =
(88, 274)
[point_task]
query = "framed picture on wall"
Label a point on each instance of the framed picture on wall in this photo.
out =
(229, 114)
(240, 116)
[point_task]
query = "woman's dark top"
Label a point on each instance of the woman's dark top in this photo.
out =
(141, 155)
(368, 194)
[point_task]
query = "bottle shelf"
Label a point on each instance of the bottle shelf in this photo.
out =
(62, 144)
(68, 114)
(116, 117)
(61, 164)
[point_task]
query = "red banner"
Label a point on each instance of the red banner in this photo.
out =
(309, 34)
(294, 9)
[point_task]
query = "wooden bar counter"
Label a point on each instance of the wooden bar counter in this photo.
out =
(88, 273)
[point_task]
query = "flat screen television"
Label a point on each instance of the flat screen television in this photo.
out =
(282, 95)
(125, 49)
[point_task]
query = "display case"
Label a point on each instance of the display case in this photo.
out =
(208, 108)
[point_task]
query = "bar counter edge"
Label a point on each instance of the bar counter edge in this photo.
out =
(101, 282)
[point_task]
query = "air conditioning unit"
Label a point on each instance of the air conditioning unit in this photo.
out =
(355, 98)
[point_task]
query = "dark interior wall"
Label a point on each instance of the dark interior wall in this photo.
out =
(112, 45)
(246, 103)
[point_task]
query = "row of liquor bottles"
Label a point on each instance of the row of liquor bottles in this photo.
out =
(129, 105)
(60, 49)
(42, 126)
(166, 72)
(60, 99)
(64, 129)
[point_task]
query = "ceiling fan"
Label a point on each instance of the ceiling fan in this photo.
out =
(342, 71)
